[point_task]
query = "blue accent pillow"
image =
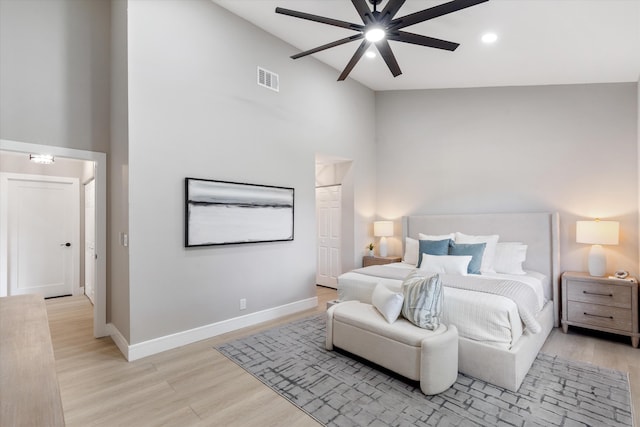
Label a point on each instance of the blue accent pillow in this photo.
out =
(476, 250)
(432, 247)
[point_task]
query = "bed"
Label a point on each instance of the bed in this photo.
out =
(495, 345)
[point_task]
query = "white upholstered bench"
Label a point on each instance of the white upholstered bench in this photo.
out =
(430, 357)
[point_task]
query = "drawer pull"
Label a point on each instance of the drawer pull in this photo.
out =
(597, 293)
(597, 315)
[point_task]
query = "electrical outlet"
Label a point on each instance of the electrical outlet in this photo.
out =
(243, 304)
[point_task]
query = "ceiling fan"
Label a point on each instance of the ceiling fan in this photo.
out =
(380, 27)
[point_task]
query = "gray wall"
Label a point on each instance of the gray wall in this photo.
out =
(195, 110)
(571, 149)
(54, 73)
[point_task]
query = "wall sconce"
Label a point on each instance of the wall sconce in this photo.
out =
(597, 233)
(383, 229)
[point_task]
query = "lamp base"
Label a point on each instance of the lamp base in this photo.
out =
(597, 261)
(383, 246)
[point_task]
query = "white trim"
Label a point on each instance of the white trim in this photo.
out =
(100, 162)
(168, 342)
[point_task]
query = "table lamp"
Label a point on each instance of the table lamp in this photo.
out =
(597, 233)
(383, 229)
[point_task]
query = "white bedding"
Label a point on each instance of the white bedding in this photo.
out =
(479, 316)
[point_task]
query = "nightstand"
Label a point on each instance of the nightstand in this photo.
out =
(379, 260)
(600, 303)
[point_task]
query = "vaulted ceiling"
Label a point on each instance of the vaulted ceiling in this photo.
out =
(540, 42)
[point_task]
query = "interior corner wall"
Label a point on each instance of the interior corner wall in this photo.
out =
(195, 110)
(118, 304)
(571, 149)
(54, 73)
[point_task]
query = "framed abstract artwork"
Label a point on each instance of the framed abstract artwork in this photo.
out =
(224, 213)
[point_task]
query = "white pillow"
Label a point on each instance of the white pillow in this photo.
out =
(411, 251)
(388, 303)
(489, 251)
(509, 257)
(436, 236)
(445, 264)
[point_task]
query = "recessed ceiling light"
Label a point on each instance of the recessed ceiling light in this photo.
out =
(370, 54)
(489, 38)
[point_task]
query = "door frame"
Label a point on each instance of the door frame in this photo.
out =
(100, 175)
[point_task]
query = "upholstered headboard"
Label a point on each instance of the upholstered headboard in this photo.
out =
(538, 230)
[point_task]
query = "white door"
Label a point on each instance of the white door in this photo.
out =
(89, 239)
(329, 218)
(40, 219)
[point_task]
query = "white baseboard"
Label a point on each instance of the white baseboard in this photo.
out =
(119, 339)
(158, 345)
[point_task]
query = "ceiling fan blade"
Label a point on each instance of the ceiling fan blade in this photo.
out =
(433, 12)
(363, 10)
(403, 36)
(390, 11)
(320, 19)
(328, 45)
(389, 57)
(354, 59)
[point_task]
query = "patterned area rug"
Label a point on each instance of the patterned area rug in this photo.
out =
(339, 390)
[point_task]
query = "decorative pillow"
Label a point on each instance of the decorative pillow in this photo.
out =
(509, 258)
(436, 237)
(446, 264)
(432, 247)
(388, 303)
(489, 250)
(411, 251)
(423, 298)
(474, 249)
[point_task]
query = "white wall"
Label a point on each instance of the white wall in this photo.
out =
(195, 110)
(571, 149)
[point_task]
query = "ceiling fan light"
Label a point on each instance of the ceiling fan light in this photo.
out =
(375, 34)
(489, 38)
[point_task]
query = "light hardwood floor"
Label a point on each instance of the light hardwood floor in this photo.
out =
(195, 385)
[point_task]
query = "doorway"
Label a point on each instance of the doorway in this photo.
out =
(98, 162)
(334, 218)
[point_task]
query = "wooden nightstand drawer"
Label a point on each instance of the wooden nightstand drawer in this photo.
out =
(601, 303)
(600, 315)
(598, 293)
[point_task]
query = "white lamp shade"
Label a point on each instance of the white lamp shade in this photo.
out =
(597, 232)
(383, 228)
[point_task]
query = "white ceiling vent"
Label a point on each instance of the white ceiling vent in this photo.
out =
(268, 79)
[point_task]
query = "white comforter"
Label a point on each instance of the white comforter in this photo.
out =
(492, 319)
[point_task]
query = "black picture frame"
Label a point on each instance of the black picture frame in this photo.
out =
(229, 213)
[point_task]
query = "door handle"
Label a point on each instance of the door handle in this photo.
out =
(65, 244)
